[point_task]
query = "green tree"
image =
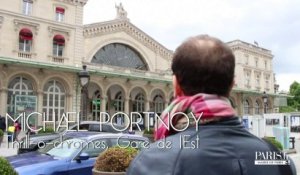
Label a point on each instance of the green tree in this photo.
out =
(286, 109)
(293, 87)
(294, 91)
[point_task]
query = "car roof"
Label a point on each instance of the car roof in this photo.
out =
(116, 135)
(98, 122)
(80, 133)
(87, 135)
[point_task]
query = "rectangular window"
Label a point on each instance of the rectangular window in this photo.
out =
(58, 50)
(257, 80)
(59, 14)
(256, 62)
(267, 81)
(246, 59)
(27, 7)
(266, 64)
(24, 45)
(247, 78)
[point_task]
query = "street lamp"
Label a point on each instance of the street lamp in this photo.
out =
(84, 78)
(265, 99)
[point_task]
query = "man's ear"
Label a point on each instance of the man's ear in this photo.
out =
(177, 89)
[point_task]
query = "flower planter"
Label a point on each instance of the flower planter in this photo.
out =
(96, 172)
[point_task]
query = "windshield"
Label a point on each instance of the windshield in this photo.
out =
(63, 148)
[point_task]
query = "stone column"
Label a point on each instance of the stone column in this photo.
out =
(126, 110)
(69, 106)
(3, 101)
(166, 104)
(147, 109)
(40, 94)
(239, 104)
(103, 106)
(147, 105)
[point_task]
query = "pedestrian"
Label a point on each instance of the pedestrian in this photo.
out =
(31, 130)
(207, 137)
(17, 130)
(2, 124)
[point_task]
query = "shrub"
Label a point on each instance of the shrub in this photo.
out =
(274, 142)
(47, 130)
(115, 159)
(1, 133)
(150, 131)
(6, 168)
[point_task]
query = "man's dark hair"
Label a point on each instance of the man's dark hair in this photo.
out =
(204, 64)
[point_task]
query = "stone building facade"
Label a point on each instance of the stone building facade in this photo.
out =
(43, 45)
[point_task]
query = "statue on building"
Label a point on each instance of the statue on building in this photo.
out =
(121, 12)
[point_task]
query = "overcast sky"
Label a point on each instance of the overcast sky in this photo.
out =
(274, 24)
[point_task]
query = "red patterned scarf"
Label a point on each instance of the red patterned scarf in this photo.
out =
(208, 107)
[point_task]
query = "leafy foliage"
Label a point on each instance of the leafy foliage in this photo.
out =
(294, 102)
(1, 133)
(115, 159)
(286, 109)
(6, 168)
(47, 130)
(149, 131)
(273, 141)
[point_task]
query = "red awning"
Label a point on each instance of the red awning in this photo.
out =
(59, 39)
(60, 10)
(25, 34)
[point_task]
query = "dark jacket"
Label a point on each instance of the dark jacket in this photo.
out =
(223, 148)
(2, 123)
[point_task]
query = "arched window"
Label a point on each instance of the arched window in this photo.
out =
(119, 107)
(139, 104)
(54, 100)
(121, 55)
(25, 40)
(158, 104)
(119, 102)
(18, 86)
(58, 45)
(257, 107)
(246, 107)
(96, 105)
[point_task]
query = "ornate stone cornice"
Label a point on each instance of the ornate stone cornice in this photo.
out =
(249, 48)
(255, 68)
(20, 23)
(55, 30)
(74, 2)
(92, 30)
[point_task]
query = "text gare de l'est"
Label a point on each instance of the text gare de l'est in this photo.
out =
(134, 119)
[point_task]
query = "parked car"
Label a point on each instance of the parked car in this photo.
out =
(75, 154)
(33, 142)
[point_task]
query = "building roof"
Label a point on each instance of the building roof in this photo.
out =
(123, 25)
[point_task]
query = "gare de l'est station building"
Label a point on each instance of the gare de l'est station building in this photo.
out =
(44, 44)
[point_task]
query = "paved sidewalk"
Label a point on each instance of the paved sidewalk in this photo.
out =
(6, 149)
(296, 157)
